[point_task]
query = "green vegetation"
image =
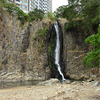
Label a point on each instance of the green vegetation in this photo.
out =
(50, 49)
(42, 32)
(51, 16)
(59, 13)
(82, 15)
(41, 36)
(1, 5)
(37, 14)
(14, 10)
(23, 17)
(93, 58)
(89, 14)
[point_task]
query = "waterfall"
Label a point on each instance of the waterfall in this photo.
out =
(57, 50)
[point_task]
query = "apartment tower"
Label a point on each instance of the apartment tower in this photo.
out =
(30, 5)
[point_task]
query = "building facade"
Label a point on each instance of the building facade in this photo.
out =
(30, 5)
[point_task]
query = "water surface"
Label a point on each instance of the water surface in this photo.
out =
(16, 84)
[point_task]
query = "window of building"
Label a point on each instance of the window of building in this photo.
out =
(32, 6)
(22, 6)
(32, 3)
(24, 3)
(24, 10)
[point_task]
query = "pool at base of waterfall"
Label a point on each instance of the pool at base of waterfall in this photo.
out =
(16, 84)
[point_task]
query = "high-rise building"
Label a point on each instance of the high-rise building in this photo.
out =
(30, 5)
(47, 5)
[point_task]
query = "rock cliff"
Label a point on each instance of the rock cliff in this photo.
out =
(74, 49)
(23, 60)
(27, 58)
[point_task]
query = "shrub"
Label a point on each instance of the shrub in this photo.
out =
(36, 14)
(14, 10)
(50, 15)
(93, 58)
(42, 32)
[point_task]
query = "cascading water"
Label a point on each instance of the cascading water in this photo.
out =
(57, 50)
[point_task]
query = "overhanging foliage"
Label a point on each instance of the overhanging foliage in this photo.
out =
(93, 58)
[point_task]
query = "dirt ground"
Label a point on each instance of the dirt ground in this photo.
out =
(74, 91)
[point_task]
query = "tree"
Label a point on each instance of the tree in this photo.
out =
(51, 16)
(36, 14)
(88, 11)
(70, 13)
(59, 12)
(93, 58)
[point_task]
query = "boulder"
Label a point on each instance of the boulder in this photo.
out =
(96, 84)
(66, 81)
(52, 81)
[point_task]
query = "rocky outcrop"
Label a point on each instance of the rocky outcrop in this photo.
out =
(22, 60)
(52, 81)
(74, 50)
(26, 59)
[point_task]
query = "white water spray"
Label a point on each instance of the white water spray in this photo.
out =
(57, 50)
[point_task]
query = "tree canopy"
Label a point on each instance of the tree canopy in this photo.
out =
(23, 17)
(36, 14)
(51, 16)
(87, 11)
(59, 12)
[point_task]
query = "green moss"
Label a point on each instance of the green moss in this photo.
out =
(34, 38)
(42, 45)
(29, 59)
(50, 50)
(50, 65)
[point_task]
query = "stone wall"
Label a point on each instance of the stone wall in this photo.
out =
(23, 60)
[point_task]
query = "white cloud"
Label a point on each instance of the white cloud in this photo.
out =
(57, 3)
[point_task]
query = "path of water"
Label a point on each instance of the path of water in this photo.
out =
(57, 50)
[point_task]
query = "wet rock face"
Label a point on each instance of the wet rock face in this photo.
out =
(51, 51)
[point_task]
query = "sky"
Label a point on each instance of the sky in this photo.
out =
(57, 3)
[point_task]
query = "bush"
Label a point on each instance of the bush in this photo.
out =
(14, 10)
(50, 15)
(93, 58)
(42, 32)
(36, 14)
